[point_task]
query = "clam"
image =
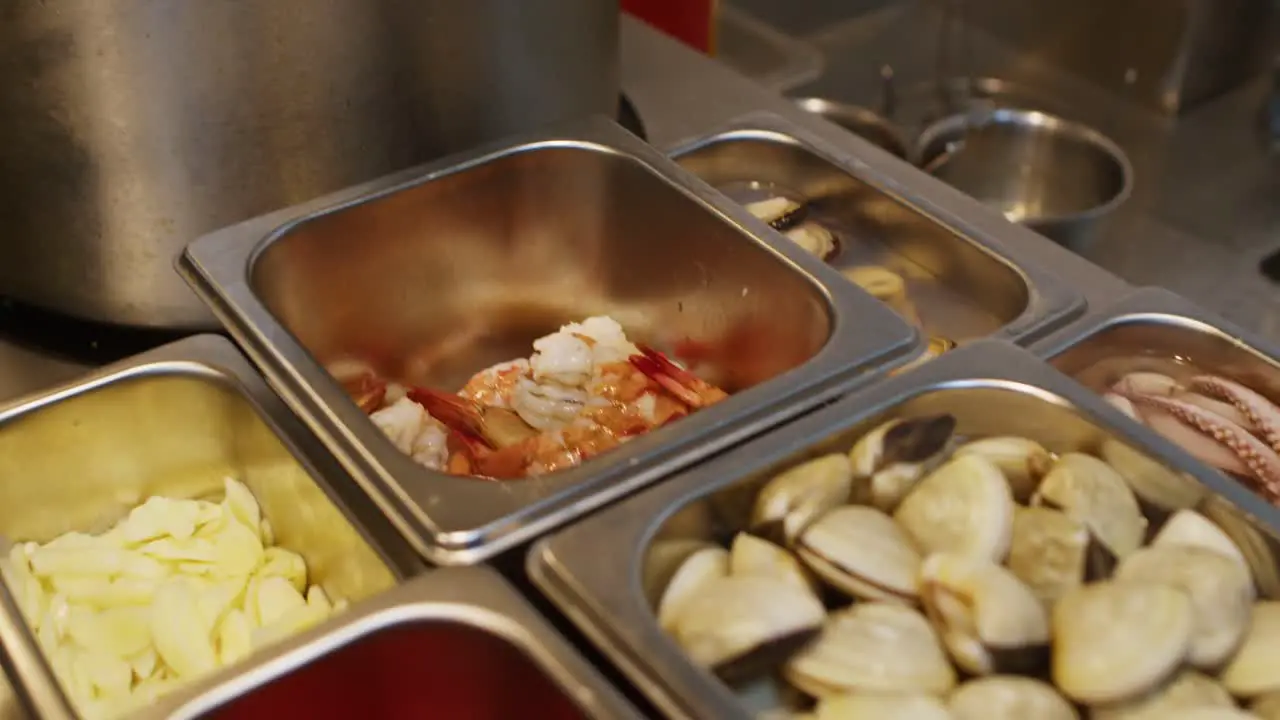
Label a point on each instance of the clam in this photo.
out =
(1023, 461)
(873, 647)
(1257, 548)
(882, 707)
(1220, 590)
(1048, 551)
(664, 558)
(1255, 669)
(964, 507)
(1189, 689)
(861, 552)
(733, 625)
(1089, 490)
(1267, 707)
(889, 461)
(1009, 697)
(1116, 640)
(1190, 528)
(702, 566)
(749, 555)
(791, 500)
(1159, 487)
(987, 618)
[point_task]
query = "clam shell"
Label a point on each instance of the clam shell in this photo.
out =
(1116, 640)
(1155, 484)
(1267, 707)
(791, 500)
(1188, 527)
(1220, 590)
(1258, 549)
(1023, 461)
(984, 614)
(1049, 551)
(733, 624)
(1255, 669)
(702, 566)
(1089, 490)
(1189, 689)
(664, 558)
(963, 507)
(861, 552)
(891, 459)
(882, 707)
(874, 647)
(1009, 697)
(751, 556)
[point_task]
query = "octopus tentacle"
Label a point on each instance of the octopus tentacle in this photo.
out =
(1261, 461)
(1261, 412)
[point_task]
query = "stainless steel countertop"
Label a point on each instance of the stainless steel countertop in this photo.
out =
(1205, 209)
(680, 95)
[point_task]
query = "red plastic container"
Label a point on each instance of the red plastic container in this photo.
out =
(692, 22)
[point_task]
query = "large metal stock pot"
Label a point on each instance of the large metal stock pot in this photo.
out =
(130, 127)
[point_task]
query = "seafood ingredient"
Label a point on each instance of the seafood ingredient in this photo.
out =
(1189, 689)
(585, 389)
(1091, 491)
(1115, 640)
(880, 707)
(1220, 590)
(1049, 552)
(873, 647)
(1254, 670)
(733, 623)
(792, 219)
(986, 617)
(173, 591)
(888, 461)
(944, 596)
(1220, 421)
(793, 499)
(886, 286)
(1009, 697)
(965, 506)
(861, 552)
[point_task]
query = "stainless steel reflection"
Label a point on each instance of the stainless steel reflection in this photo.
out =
(441, 272)
(970, 285)
(127, 128)
(174, 422)
(1057, 177)
(457, 642)
(991, 387)
(860, 121)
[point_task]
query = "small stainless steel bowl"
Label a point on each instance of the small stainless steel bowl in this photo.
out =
(1057, 177)
(860, 121)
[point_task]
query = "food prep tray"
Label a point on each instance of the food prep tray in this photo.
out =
(455, 642)
(605, 572)
(1154, 329)
(174, 422)
(963, 285)
(447, 269)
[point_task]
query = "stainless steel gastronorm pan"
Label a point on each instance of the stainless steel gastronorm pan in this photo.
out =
(606, 572)
(439, 273)
(453, 643)
(1157, 326)
(174, 422)
(976, 285)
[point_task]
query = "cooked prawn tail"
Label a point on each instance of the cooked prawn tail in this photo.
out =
(684, 385)
(368, 391)
(456, 413)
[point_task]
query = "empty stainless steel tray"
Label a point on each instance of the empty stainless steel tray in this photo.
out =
(174, 422)
(964, 285)
(443, 271)
(606, 571)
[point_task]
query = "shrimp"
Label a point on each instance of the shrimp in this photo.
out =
(414, 432)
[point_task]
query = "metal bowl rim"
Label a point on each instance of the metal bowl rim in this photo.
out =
(1043, 122)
